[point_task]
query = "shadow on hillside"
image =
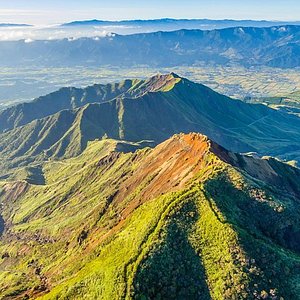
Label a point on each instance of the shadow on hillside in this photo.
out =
(1, 225)
(35, 175)
(172, 269)
(263, 233)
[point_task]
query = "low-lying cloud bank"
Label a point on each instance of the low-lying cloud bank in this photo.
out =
(29, 34)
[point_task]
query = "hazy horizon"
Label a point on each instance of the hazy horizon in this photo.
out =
(56, 12)
(143, 19)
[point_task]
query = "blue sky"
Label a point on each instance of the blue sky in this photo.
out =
(55, 11)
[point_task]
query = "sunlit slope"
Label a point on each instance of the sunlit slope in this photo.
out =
(187, 219)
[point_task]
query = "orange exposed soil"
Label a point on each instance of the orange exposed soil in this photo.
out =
(15, 190)
(168, 167)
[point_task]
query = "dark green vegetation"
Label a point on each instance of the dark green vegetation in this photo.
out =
(61, 124)
(185, 220)
(246, 46)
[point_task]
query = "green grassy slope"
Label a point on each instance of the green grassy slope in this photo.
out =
(185, 220)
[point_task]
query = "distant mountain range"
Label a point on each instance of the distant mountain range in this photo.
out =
(62, 124)
(14, 25)
(175, 24)
(250, 46)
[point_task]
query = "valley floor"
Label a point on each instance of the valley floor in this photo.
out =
(24, 84)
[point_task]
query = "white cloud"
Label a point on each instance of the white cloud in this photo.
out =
(8, 34)
(27, 41)
(29, 34)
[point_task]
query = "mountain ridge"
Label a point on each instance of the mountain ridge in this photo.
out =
(14, 25)
(224, 22)
(181, 195)
(72, 98)
(245, 46)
